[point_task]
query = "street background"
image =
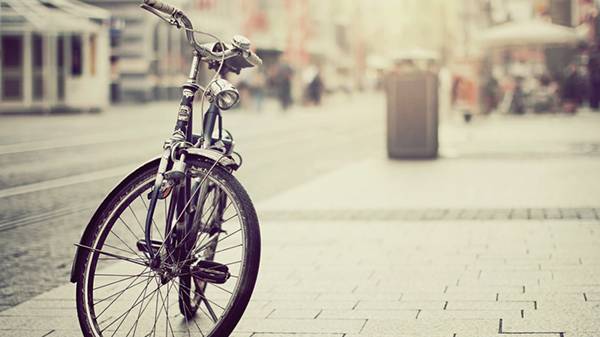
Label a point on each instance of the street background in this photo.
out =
(496, 233)
(492, 231)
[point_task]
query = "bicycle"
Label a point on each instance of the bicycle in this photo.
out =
(189, 266)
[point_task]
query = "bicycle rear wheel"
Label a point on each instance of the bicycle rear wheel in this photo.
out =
(209, 216)
(118, 294)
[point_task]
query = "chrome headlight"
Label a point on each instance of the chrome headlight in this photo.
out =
(223, 94)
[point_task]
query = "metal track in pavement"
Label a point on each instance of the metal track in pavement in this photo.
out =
(587, 213)
(66, 181)
(27, 220)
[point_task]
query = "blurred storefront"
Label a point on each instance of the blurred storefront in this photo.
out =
(54, 56)
(148, 58)
(526, 55)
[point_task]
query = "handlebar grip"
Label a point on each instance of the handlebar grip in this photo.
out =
(161, 6)
(254, 59)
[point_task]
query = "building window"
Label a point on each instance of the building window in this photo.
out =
(93, 50)
(60, 67)
(76, 55)
(37, 57)
(155, 38)
(12, 67)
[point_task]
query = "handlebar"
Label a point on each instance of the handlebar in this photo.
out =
(162, 7)
(253, 59)
(177, 14)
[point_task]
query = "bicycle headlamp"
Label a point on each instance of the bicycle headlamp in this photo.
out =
(223, 94)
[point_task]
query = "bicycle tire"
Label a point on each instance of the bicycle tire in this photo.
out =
(103, 225)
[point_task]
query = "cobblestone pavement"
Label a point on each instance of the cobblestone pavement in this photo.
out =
(56, 170)
(433, 214)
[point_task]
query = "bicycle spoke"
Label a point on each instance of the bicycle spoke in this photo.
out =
(150, 296)
(211, 213)
(226, 264)
(190, 200)
(201, 248)
(126, 245)
(221, 288)
(120, 280)
(168, 322)
(167, 314)
(228, 248)
(136, 303)
(119, 293)
(108, 258)
(233, 216)
(201, 295)
(140, 312)
(198, 250)
(136, 218)
(136, 237)
(114, 275)
(210, 310)
(119, 249)
(187, 325)
(183, 241)
(197, 326)
(111, 255)
(153, 331)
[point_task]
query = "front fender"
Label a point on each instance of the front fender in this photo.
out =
(214, 156)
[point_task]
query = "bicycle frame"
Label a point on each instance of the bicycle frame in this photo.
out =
(180, 149)
(189, 191)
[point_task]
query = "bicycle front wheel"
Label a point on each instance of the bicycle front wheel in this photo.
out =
(119, 294)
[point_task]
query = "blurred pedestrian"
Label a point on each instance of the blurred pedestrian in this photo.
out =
(594, 78)
(243, 87)
(315, 89)
(543, 98)
(571, 89)
(491, 95)
(257, 89)
(282, 82)
(517, 105)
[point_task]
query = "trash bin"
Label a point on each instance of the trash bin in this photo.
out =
(412, 114)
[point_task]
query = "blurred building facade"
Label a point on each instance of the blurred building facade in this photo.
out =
(54, 56)
(534, 71)
(146, 55)
(148, 58)
(304, 34)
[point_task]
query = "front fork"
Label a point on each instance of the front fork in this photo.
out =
(182, 135)
(188, 191)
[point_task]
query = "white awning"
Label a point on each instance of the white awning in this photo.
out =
(415, 54)
(528, 33)
(51, 15)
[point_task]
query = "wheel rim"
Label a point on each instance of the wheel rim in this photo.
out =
(126, 298)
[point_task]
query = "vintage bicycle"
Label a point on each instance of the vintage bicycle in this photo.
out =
(174, 248)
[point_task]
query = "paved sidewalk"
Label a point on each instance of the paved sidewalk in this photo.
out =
(388, 275)
(472, 246)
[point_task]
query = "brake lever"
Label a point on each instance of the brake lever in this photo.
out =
(171, 20)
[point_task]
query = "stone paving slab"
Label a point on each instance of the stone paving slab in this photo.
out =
(528, 186)
(368, 214)
(400, 278)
